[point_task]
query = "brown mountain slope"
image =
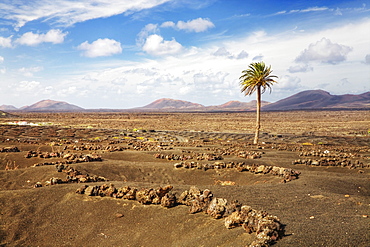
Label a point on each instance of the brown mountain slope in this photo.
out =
(51, 105)
(8, 108)
(237, 105)
(180, 105)
(166, 103)
(319, 99)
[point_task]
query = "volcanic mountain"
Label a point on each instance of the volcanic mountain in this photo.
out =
(320, 99)
(168, 104)
(51, 105)
(241, 106)
(8, 108)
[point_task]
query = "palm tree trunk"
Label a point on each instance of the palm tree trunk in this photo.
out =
(258, 120)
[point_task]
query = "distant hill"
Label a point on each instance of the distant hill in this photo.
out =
(238, 106)
(51, 105)
(171, 104)
(306, 100)
(8, 108)
(320, 99)
(180, 105)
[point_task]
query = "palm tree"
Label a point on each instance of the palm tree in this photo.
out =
(257, 78)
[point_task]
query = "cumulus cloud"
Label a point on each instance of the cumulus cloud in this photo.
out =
(243, 54)
(142, 71)
(300, 68)
(258, 58)
(168, 24)
(29, 71)
(222, 52)
(100, 48)
(196, 25)
(324, 51)
(27, 86)
(6, 42)
(69, 12)
(210, 79)
(288, 83)
(155, 45)
(54, 36)
(1, 59)
(67, 91)
(149, 29)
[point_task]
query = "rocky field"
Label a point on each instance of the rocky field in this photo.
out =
(185, 179)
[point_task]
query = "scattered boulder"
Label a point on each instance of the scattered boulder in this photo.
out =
(9, 149)
(37, 185)
(168, 200)
(82, 189)
(217, 208)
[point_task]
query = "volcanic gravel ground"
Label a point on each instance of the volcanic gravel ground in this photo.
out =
(325, 206)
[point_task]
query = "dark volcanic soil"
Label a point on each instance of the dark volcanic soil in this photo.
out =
(325, 206)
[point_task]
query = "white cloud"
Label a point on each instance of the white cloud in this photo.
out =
(48, 90)
(186, 90)
(196, 25)
(6, 42)
(100, 48)
(1, 59)
(149, 29)
(222, 52)
(288, 83)
(69, 12)
(209, 78)
(314, 9)
(310, 9)
(157, 46)
(27, 86)
(168, 24)
(242, 55)
(54, 36)
(154, 44)
(29, 71)
(324, 51)
(258, 58)
(300, 68)
(145, 72)
(67, 91)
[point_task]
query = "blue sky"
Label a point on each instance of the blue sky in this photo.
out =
(122, 53)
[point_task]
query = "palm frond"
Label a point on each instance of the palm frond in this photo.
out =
(257, 75)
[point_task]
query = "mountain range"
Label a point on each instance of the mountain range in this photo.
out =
(44, 105)
(320, 99)
(180, 105)
(306, 100)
